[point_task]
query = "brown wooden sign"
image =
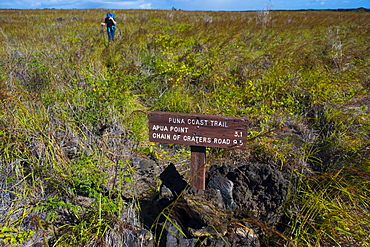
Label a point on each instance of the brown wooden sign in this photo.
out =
(198, 129)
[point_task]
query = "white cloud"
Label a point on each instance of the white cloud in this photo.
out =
(321, 2)
(20, 4)
(66, 4)
(117, 4)
(146, 6)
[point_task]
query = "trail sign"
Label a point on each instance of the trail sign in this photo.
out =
(199, 131)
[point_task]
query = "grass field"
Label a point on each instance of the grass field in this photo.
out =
(302, 78)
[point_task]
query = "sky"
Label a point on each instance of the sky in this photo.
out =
(214, 5)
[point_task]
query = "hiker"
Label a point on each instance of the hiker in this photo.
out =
(110, 22)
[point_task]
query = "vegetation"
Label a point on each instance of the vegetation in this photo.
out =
(73, 109)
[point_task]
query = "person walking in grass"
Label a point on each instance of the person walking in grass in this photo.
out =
(110, 23)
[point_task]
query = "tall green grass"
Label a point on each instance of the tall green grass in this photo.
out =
(302, 78)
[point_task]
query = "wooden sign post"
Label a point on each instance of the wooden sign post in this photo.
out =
(199, 131)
